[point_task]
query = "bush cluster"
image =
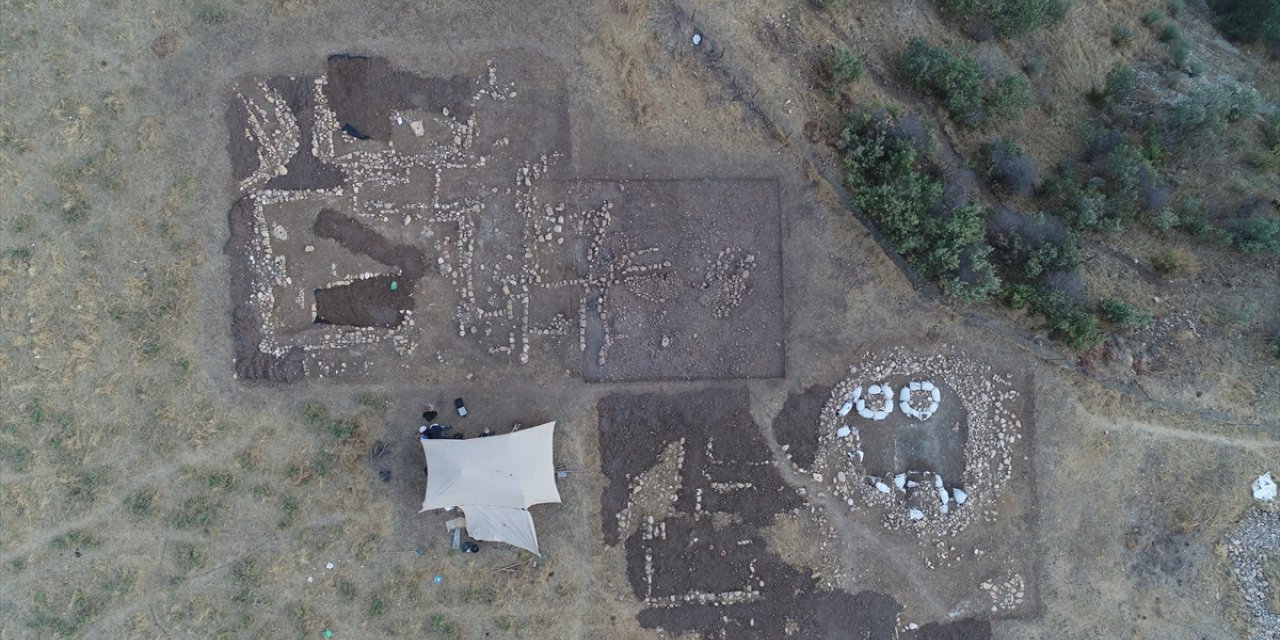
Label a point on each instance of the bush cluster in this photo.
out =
(1124, 188)
(1208, 110)
(1251, 21)
(958, 82)
(1007, 168)
(1008, 18)
(897, 186)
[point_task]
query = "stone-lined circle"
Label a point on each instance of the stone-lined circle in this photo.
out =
(921, 500)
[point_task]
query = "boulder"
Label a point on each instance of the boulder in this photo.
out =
(1264, 488)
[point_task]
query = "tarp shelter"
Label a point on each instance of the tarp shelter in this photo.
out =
(494, 481)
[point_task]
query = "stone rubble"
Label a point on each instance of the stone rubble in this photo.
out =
(1246, 547)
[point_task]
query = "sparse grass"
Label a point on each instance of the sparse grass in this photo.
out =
(83, 485)
(221, 480)
(346, 589)
(198, 513)
(188, 557)
(210, 15)
(377, 606)
(289, 507)
(317, 417)
(378, 403)
(1175, 262)
(141, 502)
(77, 539)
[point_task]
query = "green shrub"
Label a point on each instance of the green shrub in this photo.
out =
(1080, 207)
(957, 81)
(1253, 21)
(1153, 16)
(1180, 55)
(1275, 346)
(842, 68)
(1257, 235)
(1080, 330)
(1129, 181)
(1208, 110)
(1009, 18)
(1123, 315)
(1165, 220)
(1175, 7)
(1010, 95)
(1007, 168)
(1119, 83)
(1170, 33)
(1121, 35)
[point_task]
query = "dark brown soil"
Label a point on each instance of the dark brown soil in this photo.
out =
(797, 424)
(968, 629)
(357, 238)
(365, 303)
(634, 428)
(694, 334)
(363, 91)
(164, 45)
(305, 170)
(720, 549)
(242, 151)
(249, 360)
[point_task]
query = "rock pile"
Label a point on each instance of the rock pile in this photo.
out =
(1247, 547)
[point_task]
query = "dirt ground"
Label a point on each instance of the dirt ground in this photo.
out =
(183, 457)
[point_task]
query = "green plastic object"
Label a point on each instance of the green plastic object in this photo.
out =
(327, 633)
(394, 285)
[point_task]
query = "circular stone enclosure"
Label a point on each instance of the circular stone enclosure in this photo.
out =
(931, 477)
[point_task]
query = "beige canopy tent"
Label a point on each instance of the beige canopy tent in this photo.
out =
(494, 481)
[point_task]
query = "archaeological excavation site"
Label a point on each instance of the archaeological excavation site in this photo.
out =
(640, 319)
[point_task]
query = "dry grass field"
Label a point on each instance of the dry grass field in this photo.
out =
(147, 492)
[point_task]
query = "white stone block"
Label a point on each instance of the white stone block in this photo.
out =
(1264, 488)
(960, 495)
(843, 432)
(882, 487)
(915, 514)
(900, 480)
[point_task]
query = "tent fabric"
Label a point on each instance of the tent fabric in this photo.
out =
(511, 470)
(502, 524)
